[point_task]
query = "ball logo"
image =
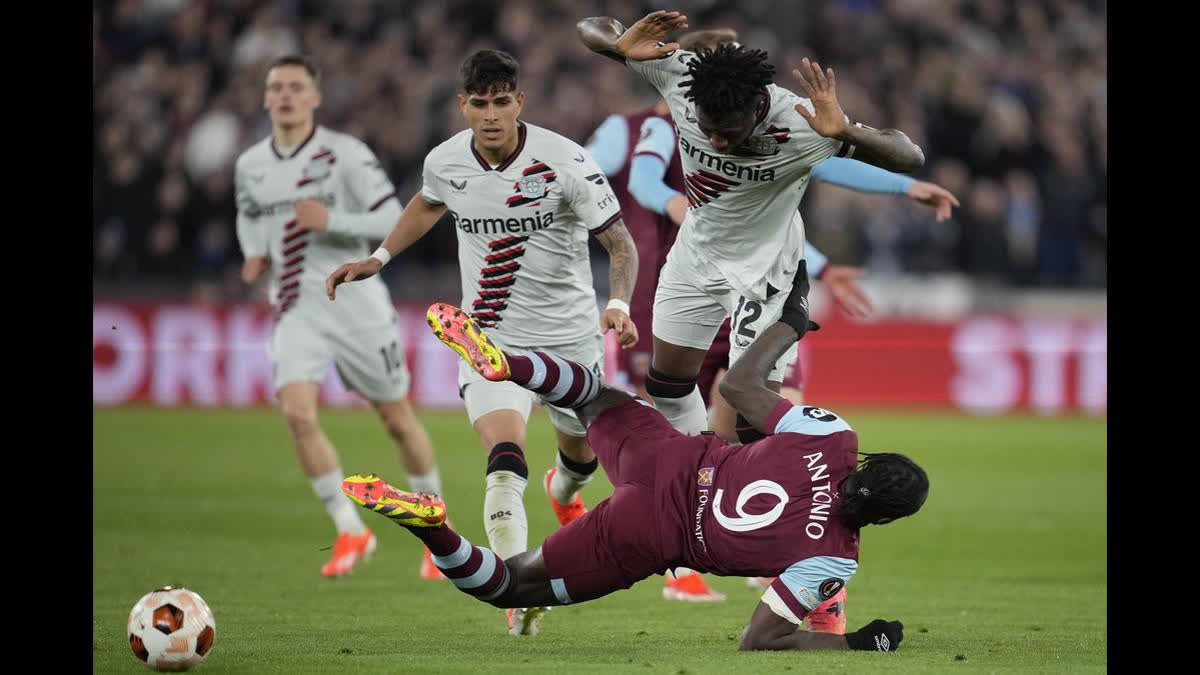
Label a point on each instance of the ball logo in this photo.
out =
(532, 187)
(830, 588)
(819, 414)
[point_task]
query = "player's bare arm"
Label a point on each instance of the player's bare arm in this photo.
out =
(418, 217)
(643, 41)
(745, 385)
(889, 149)
(769, 631)
(622, 275)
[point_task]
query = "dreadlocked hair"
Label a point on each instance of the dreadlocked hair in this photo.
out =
(725, 80)
(886, 485)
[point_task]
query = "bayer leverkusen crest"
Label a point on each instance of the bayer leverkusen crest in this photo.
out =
(319, 167)
(762, 145)
(534, 184)
(532, 187)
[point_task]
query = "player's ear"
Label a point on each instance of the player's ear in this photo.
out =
(462, 103)
(520, 99)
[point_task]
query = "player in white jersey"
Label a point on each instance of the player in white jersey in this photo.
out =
(308, 197)
(523, 200)
(748, 148)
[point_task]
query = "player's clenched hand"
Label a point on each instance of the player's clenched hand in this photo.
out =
(842, 281)
(643, 40)
(934, 195)
(253, 268)
(312, 214)
(820, 87)
(351, 272)
(615, 319)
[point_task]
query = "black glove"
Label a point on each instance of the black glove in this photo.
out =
(795, 307)
(879, 635)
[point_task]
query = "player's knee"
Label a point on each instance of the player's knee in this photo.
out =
(399, 423)
(300, 418)
(512, 596)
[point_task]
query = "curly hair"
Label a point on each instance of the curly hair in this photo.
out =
(886, 485)
(727, 79)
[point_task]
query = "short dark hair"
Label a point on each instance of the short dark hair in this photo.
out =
(886, 485)
(298, 60)
(727, 79)
(490, 70)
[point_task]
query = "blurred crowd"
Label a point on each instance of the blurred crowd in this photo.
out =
(1008, 99)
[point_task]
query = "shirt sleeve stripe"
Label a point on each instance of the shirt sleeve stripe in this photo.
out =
(777, 414)
(381, 200)
(788, 598)
(608, 223)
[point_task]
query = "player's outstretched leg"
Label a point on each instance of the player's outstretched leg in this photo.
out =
(560, 382)
(476, 571)
(520, 584)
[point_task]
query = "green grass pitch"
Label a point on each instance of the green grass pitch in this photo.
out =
(1004, 570)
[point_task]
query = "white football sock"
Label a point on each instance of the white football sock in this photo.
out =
(504, 514)
(566, 483)
(430, 482)
(685, 413)
(340, 508)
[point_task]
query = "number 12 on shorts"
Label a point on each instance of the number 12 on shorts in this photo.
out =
(391, 356)
(753, 311)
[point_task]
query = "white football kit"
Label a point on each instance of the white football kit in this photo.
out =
(743, 239)
(357, 331)
(522, 231)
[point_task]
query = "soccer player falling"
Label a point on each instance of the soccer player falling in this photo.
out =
(524, 201)
(639, 151)
(789, 505)
(306, 197)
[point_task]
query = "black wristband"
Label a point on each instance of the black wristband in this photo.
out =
(799, 321)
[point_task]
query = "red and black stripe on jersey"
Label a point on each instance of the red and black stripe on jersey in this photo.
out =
(294, 242)
(705, 186)
(495, 278)
(535, 169)
(780, 135)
